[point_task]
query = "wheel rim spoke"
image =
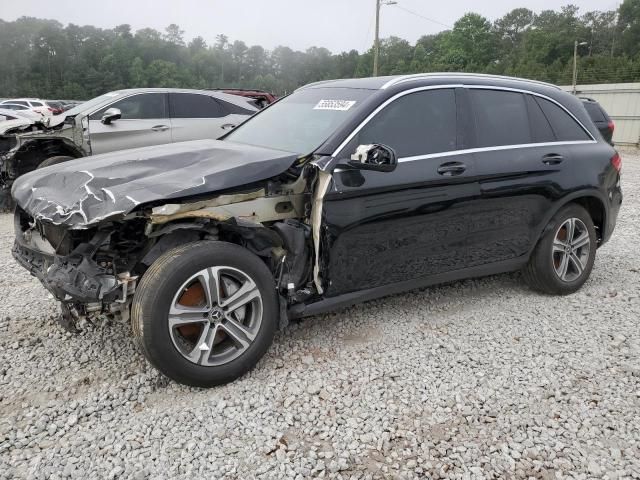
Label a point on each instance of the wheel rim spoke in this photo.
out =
(202, 346)
(210, 279)
(563, 267)
(577, 263)
(246, 293)
(239, 333)
(581, 240)
(180, 315)
(559, 246)
(571, 227)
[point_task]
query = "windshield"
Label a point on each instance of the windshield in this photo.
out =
(94, 102)
(301, 122)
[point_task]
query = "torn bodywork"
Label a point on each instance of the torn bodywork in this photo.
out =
(24, 148)
(90, 234)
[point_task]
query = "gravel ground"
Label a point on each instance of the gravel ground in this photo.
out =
(478, 379)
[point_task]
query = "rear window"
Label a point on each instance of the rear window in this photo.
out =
(595, 112)
(501, 118)
(190, 105)
(564, 126)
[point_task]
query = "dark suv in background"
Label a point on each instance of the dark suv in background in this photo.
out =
(600, 117)
(344, 191)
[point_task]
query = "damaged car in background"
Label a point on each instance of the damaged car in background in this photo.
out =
(343, 191)
(117, 121)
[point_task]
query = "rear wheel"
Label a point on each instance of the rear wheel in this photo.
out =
(205, 313)
(54, 161)
(563, 259)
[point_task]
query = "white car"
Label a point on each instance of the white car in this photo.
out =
(21, 111)
(34, 104)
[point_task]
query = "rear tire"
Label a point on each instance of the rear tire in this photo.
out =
(186, 321)
(54, 161)
(563, 259)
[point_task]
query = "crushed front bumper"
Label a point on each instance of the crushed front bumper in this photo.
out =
(75, 278)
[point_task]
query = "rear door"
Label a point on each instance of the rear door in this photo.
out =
(196, 116)
(521, 162)
(414, 222)
(144, 122)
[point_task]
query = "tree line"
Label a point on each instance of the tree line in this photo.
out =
(47, 59)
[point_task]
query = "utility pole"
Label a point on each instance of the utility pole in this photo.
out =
(576, 44)
(376, 44)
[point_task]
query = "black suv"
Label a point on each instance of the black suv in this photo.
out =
(342, 192)
(600, 117)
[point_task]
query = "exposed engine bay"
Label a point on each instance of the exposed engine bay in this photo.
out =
(91, 260)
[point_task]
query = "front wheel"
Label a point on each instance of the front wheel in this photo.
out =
(205, 313)
(563, 259)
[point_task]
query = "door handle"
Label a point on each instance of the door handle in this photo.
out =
(160, 128)
(228, 126)
(552, 159)
(451, 169)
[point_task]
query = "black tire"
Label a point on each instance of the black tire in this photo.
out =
(540, 272)
(54, 161)
(155, 295)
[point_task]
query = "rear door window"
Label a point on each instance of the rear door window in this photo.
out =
(540, 128)
(417, 124)
(190, 105)
(36, 104)
(501, 118)
(138, 107)
(564, 126)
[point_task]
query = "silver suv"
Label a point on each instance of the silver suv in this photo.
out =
(121, 120)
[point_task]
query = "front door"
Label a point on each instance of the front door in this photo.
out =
(145, 121)
(412, 223)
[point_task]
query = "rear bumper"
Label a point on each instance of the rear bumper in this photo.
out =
(615, 201)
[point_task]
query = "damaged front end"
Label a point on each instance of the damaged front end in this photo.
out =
(93, 268)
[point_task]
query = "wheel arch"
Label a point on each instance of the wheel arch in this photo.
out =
(592, 201)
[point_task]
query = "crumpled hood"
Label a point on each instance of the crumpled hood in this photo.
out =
(82, 192)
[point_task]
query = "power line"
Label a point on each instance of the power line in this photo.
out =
(421, 16)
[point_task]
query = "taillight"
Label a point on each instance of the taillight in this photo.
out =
(50, 109)
(611, 126)
(616, 162)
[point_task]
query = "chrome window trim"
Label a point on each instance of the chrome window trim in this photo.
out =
(452, 153)
(493, 149)
(473, 87)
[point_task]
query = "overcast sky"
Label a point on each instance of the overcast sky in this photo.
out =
(335, 24)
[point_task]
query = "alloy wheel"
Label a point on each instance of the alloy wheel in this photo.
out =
(215, 316)
(571, 249)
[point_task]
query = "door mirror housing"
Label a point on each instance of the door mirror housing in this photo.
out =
(111, 115)
(376, 157)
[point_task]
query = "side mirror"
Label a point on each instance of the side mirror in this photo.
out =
(111, 115)
(376, 157)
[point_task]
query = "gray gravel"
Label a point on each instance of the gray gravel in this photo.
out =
(478, 379)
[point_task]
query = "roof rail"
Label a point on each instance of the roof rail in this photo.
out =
(418, 76)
